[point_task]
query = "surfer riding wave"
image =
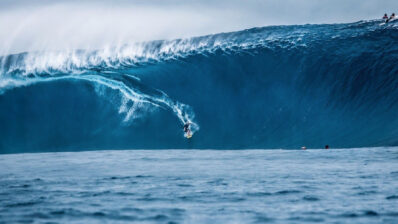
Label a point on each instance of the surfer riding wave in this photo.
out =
(187, 130)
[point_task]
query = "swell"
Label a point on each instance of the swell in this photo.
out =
(271, 87)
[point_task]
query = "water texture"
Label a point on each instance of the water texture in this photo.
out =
(201, 186)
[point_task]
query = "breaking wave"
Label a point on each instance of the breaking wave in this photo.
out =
(270, 87)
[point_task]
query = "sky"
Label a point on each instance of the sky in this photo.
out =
(31, 25)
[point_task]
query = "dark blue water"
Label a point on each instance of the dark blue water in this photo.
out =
(201, 186)
(269, 87)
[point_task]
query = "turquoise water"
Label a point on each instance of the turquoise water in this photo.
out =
(201, 186)
(267, 87)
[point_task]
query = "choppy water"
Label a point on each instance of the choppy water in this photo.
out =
(201, 186)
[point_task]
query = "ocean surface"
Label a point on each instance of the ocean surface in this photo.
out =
(266, 87)
(275, 87)
(357, 185)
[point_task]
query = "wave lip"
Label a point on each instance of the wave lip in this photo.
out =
(137, 54)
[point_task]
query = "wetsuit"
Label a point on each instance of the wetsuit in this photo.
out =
(186, 127)
(391, 18)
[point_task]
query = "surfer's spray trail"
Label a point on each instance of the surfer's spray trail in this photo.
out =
(271, 87)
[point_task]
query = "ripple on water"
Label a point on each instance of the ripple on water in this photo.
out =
(217, 182)
(306, 219)
(258, 194)
(118, 178)
(124, 193)
(349, 215)
(20, 186)
(366, 213)
(39, 215)
(362, 193)
(368, 176)
(392, 197)
(143, 176)
(285, 192)
(262, 219)
(370, 213)
(69, 212)
(86, 194)
(310, 198)
(150, 198)
(184, 185)
(22, 204)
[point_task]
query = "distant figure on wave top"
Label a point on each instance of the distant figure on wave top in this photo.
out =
(392, 17)
(187, 130)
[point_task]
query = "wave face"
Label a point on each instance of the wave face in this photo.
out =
(270, 87)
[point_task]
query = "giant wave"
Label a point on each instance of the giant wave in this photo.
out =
(270, 87)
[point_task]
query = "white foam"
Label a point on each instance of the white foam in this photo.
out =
(139, 101)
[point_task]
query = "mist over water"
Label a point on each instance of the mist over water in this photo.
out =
(44, 25)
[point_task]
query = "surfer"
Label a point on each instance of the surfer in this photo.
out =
(186, 127)
(391, 17)
(385, 17)
(187, 130)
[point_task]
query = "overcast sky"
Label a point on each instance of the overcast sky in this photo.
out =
(27, 25)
